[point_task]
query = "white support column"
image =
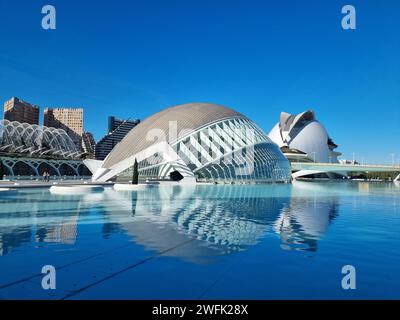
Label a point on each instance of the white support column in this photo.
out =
(78, 165)
(10, 166)
(56, 166)
(200, 149)
(228, 136)
(215, 135)
(34, 165)
(73, 165)
(234, 135)
(190, 155)
(210, 145)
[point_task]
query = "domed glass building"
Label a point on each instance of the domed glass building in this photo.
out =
(198, 142)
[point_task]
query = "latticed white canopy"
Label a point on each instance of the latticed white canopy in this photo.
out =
(34, 140)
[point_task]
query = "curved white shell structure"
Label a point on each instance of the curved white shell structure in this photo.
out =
(304, 133)
(202, 141)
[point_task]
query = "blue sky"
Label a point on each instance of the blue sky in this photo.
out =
(133, 58)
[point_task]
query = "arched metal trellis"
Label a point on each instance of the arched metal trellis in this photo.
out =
(35, 163)
(34, 140)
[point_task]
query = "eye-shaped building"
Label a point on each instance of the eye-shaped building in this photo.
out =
(200, 141)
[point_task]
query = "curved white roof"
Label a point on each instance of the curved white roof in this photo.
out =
(191, 116)
(305, 133)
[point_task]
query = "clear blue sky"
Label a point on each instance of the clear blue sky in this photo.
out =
(133, 58)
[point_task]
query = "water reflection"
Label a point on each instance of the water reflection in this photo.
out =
(214, 220)
(303, 222)
(31, 217)
(218, 220)
(229, 218)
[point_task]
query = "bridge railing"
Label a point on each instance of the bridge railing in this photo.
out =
(338, 165)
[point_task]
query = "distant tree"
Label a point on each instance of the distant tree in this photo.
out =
(135, 173)
(386, 176)
(1, 170)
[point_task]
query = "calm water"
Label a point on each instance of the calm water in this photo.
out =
(203, 242)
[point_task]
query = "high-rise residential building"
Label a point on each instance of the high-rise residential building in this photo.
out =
(16, 109)
(117, 130)
(88, 144)
(114, 123)
(69, 119)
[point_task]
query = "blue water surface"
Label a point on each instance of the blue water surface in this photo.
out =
(275, 241)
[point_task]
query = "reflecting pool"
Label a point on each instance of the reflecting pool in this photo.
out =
(273, 241)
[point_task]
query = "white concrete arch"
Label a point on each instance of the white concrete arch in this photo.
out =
(35, 163)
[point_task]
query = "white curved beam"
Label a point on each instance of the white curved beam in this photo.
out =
(303, 173)
(163, 148)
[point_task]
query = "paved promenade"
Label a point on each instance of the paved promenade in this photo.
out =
(16, 184)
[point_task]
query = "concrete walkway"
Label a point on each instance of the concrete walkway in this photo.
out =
(17, 184)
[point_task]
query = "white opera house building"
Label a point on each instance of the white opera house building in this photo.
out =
(301, 137)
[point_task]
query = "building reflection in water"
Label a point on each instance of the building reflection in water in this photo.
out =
(213, 220)
(303, 222)
(217, 219)
(306, 219)
(224, 219)
(36, 217)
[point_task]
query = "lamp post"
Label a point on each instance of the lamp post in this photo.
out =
(392, 154)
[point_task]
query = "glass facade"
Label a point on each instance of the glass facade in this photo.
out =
(260, 165)
(231, 150)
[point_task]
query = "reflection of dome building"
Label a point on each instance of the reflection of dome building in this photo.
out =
(193, 222)
(232, 219)
(302, 138)
(206, 142)
(220, 220)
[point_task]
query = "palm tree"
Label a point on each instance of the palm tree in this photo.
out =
(135, 174)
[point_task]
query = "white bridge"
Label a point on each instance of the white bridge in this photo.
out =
(301, 169)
